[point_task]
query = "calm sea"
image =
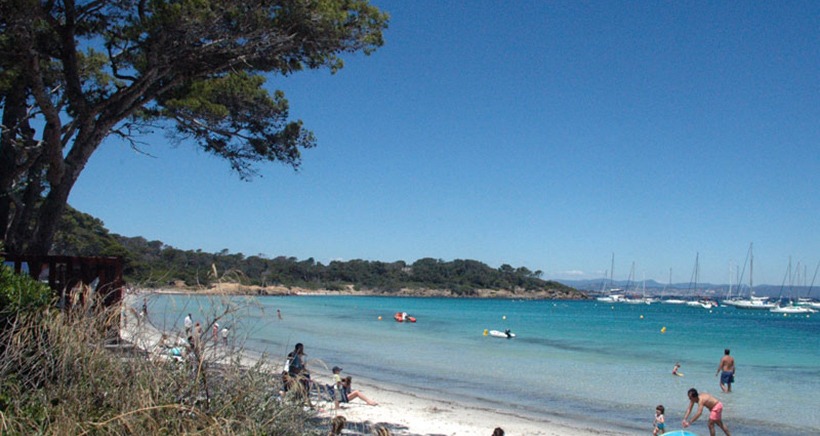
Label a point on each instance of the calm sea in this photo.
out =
(607, 365)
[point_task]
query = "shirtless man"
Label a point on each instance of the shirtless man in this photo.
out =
(726, 369)
(715, 411)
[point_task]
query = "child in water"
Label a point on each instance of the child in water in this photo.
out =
(659, 421)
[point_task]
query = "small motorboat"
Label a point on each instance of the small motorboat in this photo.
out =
(403, 317)
(499, 334)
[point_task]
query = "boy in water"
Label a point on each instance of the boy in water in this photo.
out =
(715, 411)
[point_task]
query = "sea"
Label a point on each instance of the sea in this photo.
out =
(605, 365)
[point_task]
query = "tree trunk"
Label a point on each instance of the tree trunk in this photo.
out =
(14, 113)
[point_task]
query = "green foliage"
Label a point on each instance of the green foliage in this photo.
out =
(154, 264)
(74, 73)
(19, 293)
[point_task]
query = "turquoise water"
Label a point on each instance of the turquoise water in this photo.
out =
(607, 365)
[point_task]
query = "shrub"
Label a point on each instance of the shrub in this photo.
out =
(19, 293)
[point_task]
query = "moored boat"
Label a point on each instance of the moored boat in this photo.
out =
(792, 309)
(403, 317)
(507, 334)
(758, 303)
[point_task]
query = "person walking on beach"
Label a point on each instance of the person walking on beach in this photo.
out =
(711, 403)
(225, 336)
(144, 312)
(726, 369)
(216, 333)
(660, 423)
(196, 337)
(188, 323)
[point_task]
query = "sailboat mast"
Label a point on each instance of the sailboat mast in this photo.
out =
(751, 270)
(612, 271)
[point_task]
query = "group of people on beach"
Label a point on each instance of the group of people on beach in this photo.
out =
(296, 378)
(703, 400)
(193, 331)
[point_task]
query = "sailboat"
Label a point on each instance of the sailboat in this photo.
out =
(671, 300)
(730, 300)
(635, 299)
(758, 303)
(700, 302)
(807, 300)
(614, 295)
(790, 307)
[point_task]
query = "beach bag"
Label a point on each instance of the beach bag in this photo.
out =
(287, 364)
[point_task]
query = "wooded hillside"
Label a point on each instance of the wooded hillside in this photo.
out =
(155, 264)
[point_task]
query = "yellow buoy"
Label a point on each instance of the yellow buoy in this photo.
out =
(663, 329)
(486, 332)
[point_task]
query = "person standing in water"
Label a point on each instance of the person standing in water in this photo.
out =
(711, 403)
(726, 369)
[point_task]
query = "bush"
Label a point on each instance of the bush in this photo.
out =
(19, 293)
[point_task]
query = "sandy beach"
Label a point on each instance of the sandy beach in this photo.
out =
(406, 413)
(400, 411)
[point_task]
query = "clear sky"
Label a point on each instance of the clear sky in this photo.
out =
(541, 134)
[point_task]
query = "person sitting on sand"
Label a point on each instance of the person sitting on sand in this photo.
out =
(348, 394)
(297, 376)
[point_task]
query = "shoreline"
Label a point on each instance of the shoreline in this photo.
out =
(402, 412)
(417, 413)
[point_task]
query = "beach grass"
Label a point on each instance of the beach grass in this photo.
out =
(62, 373)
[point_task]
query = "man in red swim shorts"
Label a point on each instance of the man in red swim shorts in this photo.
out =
(715, 411)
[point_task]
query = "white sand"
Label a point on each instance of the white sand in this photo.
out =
(402, 412)
(406, 413)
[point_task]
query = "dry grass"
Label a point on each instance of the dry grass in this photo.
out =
(57, 377)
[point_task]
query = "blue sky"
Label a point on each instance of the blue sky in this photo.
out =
(541, 134)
